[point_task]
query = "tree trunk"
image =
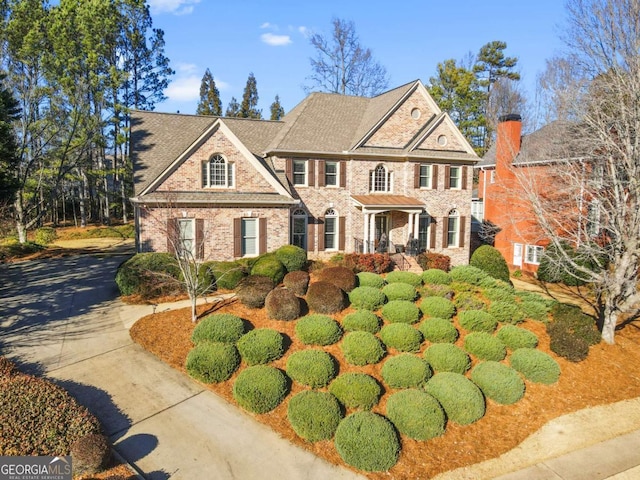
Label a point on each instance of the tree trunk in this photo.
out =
(20, 220)
(609, 324)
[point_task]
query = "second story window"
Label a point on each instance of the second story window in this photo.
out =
(455, 177)
(425, 176)
(300, 172)
(331, 174)
(217, 172)
(380, 180)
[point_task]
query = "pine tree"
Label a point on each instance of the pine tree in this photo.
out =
(277, 112)
(248, 107)
(210, 103)
(233, 109)
(9, 112)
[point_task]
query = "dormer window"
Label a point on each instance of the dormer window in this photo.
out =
(380, 179)
(217, 172)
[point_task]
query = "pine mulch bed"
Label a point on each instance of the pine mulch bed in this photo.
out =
(611, 373)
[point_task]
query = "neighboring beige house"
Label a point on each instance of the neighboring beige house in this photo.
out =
(334, 175)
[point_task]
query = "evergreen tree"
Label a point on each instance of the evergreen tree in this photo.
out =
(248, 107)
(233, 109)
(277, 112)
(9, 112)
(210, 103)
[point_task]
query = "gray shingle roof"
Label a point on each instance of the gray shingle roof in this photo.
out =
(216, 198)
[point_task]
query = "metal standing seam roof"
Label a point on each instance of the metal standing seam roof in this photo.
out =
(391, 201)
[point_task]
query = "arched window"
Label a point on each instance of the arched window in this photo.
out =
(299, 228)
(453, 229)
(331, 229)
(217, 172)
(380, 180)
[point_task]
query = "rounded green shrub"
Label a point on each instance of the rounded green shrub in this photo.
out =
(490, 260)
(535, 309)
(314, 368)
(292, 257)
(356, 390)
(368, 298)
(400, 276)
(438, 330)
(468, 274)
(227, 274)
(506, 312)
(435, 276)
(416, 414)
(400, 291)
(468, 301)
(297, 281)
(212, 362)
(400, 311)
(325, 297)
(262, 345)
(437, 307)
(362, 348)
(252, 291)
(499, 382)
(316, 329)
(368, 442)
(446, 357)
(149, 275)
(434, 290)
(260, 388)
(402, 337)
(460, 398)
(341, 277)
(515, 337)
(361, 320)
(405, 371)
(499, 294)
(535, 365)
(485, 346)
(219, 327)
(314, 416)
(45, 235)
(369, 279)
(269, 266)
(477, 321)
(282, 304)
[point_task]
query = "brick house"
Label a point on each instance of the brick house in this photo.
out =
(334, 175)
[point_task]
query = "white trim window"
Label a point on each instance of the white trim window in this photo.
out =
(455, 177)
(217, 172)
(533, 254)
(299, 228)
(492, 176)
(424, 232)
(380, 179)
(331, 172)
(300, 173)
(425, 176)
(453, 229)
(331, 230)
(186, 237)
(249, 235)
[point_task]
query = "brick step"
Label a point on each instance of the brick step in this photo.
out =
(401, 260)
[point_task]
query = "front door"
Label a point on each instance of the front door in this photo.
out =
(382, 227)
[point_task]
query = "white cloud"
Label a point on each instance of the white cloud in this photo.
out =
(177, 7)
(275, 40)
(304, 31)
(184, 88)
(186, 67)
(269, 25)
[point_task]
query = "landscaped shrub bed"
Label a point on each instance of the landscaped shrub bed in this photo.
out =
(227, 274)
(325, 297)
(318, 329)
(437, 307)
(292, 257)
(341, 277)
(436, 276)
(356, 390)
(367, 441)
(404, 277)
(402, 337)
(506, 312)
(260, 388)
(490, 260)
(362, 348)
(400, 311)
(405, 371)
(572, 332)
(485, 346)
(498, 382)
(368, 279)
(252, 291)
(434, 290)
(212, 362)
(400, 291)
(268, 265)
(282, 304)
(438, 330)
(361, 320)
(515, 337)
(262, 345)
(149, 275)
(468, 274)
(297, 281)
(535, 365)
(416, 414)
(535, 309)
(368, 298)
(430, 260)
(314, 416)
(460, 398)
(220, 327)
(368, 262)
(446, 357)
(314, 368)
(477, 321)
(503, 293)
(468, 301)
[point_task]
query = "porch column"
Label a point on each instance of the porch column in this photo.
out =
(372, 231)
(365, 233)
(416, 228)
(409, 226)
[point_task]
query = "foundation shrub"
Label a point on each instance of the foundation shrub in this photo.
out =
(401, 336)
(437, 307)
(368, 279)
(485, 346)
(468, 274)
(90, 454)
(219, 327)
(535, 365)
(282, 304)
(252, 291)
(341, 277)
(400, 311)
(356, 390)
(477, 321)
(292, 257)
(45, 235)
(368, 298)
(269, 266)
(362, 348)
(506, 312)
(316, 329)
(227, 274)
(314, 416)
(468, 301)
(260, 389)
(499, 382)
(400, 291)
(435, 276)
(430, 260)
(314, 368)
(325, 297)
(361, 320)
(460, 398)
(491, 261)
(404, 277)
(515, 337)
(368, 262)
(262, 345)
(212, 362)
(405, 371)
(416, 414)
(297, 281)
(368, 442)
(149, 275)
(438, 330)
(446, 357)
(432, 290)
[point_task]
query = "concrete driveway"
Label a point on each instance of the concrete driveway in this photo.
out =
(61, 318)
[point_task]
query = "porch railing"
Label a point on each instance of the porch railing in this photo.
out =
(411, 248)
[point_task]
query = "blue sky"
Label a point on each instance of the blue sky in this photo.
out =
(271, 39)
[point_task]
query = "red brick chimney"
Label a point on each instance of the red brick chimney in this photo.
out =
(507, 142)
